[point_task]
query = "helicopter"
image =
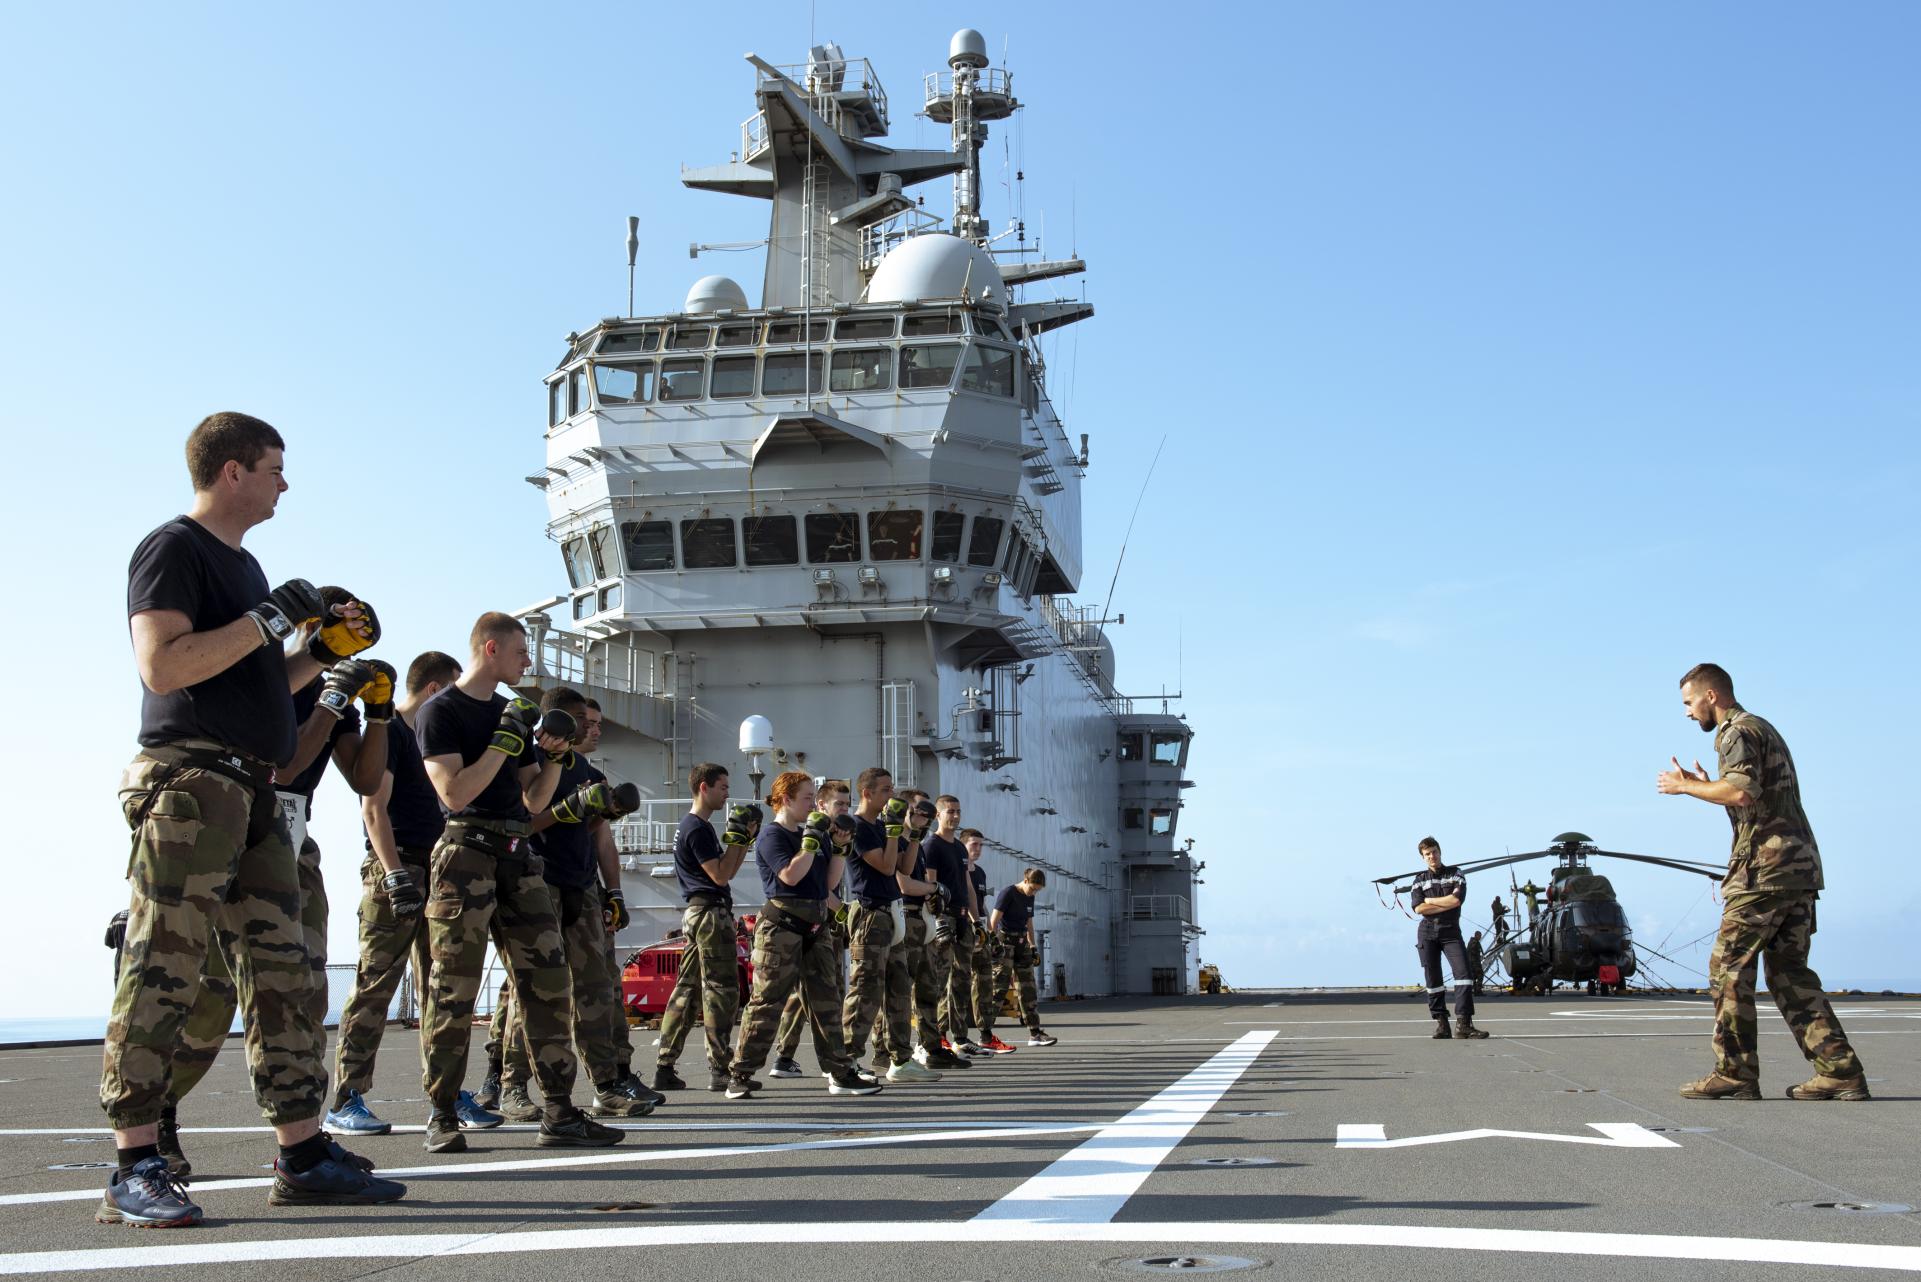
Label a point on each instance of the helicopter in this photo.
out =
(1581, 935)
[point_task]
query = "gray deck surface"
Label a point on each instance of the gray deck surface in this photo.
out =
(926, 1182)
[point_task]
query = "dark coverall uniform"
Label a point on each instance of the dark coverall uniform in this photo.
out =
(1441, 934)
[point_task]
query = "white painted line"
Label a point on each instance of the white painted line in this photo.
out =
(1617, 1135)
(1092, 1183)
(599, 1157)
(509, 1128)
(973, 1233)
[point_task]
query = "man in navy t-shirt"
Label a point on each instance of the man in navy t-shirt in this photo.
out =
(1437, 897)
(705, 866)
(878, 984)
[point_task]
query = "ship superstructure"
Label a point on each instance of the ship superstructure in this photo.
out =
(853, 510)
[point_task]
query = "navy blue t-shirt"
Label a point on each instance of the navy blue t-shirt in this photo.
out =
(774, 849)
(946, 861)
(567, 850)
(1016, 908)
(978, 875)
(869, 885)
(305, 701)
(455, 724)
(695, 843)
(182, 567)
(917, 869)
(1439, 884)
(412, 806)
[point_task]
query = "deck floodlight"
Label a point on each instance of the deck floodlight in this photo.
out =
(991, 579)
(870, 576)
(823, 577)
(944, 574)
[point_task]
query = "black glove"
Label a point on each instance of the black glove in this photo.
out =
(286, 608)
(819, 829)
(844, 830)
(562, 726)
(516, 727)
(893, 816)
(589, 801)
(615, 911)
(117, 929)
(742, 819)
(921, 818)
(343, 684)
(337, 638)
(403, 892)
(377, 696)
(625, 798)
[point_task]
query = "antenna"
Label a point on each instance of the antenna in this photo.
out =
(633, 249)
(1118, 561)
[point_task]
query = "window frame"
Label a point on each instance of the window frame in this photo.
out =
(812, 366)
(646, 375)
(934, 536)
(916, 541)
(748, 545)
(973, 537)
(853, 522)
(661, 391)
(627, 544)
(733, 360)
(687, 527)
(900, 366)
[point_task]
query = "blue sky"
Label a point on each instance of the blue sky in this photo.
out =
(1512, 358)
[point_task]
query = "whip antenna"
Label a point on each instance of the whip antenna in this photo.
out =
(633, 249)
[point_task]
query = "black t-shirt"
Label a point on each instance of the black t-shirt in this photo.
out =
(1439, 884)
(454, 723)
(695, 843)
(947, 861)
(869, 885)
(567, 850)
(978, 875)
(304, 703)
(774, 849)
(180, 566)
(1016, 908)
(917, 869)
(413, 808)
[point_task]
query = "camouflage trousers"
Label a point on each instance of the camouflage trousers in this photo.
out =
(957, 1003)
(877, 981)
(473, 893)
(212, 872)
(388, 942)
(1015, 969)
(710, 976)
(923, 1000)
(930, 986)
(596, 994)
(785, 960)
(1777, 928)
(793, 1016)
(988, 954)
(619, 1034)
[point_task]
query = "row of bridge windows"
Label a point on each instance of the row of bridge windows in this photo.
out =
(825, 538)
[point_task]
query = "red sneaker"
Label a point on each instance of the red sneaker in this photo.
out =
(996, 1045)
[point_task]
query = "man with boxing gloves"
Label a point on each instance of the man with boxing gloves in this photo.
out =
(923, 902)
(705, 867)
(211, 855)
(879, 986)
(493, 762)
(834, 797)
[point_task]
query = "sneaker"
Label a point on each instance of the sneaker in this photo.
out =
(719, 1080)
(578, 1131)
(353, 1117)
(472, 1116)
(639, 1089)
(621, 1098)
(443, 1134)
(331, 1183)
(846, 1081)
(1821, 1086)
(966, 1047)
(666, 1079)
(1465, 1028)
(862, 1071)
(995, 1046)
(488, 1096)
(784, 1067)
(1715, 1086)
(151, 1197)
(1035, 1037)
(740, 1087)
(339, 1154)
(944, 1059)
(517, 1105)
(169, 1143)
(906, 1071)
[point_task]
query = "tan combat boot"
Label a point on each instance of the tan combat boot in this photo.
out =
(1821, 1086)
(1715, 1086)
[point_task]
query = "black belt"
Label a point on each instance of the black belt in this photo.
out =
(782, 919)
(503, 839)
(244, 769)
(875, 905)
(709, 901)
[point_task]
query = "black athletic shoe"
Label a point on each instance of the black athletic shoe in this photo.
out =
(339, 1154)
(946, 1059)
(331, 1183)
(666, 1079)
(443, 1134)
(738, 1087)
(640, 1089)
(169, 1142)
(578, 1131)
(845, 1081)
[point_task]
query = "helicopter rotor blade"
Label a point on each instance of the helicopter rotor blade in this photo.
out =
(1477, 865)
(1710, 871)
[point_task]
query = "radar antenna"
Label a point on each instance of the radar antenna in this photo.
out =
(975, 94)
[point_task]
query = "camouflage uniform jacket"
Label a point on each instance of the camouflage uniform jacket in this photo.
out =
(1773, 845)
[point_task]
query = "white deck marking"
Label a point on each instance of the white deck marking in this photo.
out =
(599, 1157)
(1615, 1135)
(974, 1233)
(1092, 1183)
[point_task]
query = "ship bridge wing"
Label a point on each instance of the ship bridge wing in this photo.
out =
(816, 432)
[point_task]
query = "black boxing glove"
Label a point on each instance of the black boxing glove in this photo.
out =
(624, 799)
(516, 727)
(615, 911)
(742, 819)
(289, 606)
(589, 801)
(117, 929)
(343, 684)
(844, 830)
(403, 892)
(818, 831)
(562, 726)
(921, 818)
(339, 638)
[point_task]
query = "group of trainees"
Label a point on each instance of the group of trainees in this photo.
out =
(874, 933)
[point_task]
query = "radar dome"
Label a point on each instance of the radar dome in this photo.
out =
(756, 735)
(937, 265)
(715, 294)
(967, 49)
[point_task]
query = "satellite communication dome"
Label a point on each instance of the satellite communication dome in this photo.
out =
(756, 735)
(938, 265)
(715, 294)
(968, 48)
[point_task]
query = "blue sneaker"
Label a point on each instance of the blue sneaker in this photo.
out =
(331, 1183)
(355, 1118)
(149, 1198)
(472, 1116)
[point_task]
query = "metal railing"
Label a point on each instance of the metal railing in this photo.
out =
(838, 76)
(1159, 908)
(755, 136)
(613, 663)
(877, 239)
(988, 82)
(650, 830)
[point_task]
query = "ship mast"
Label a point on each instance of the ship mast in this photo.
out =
(976, 95)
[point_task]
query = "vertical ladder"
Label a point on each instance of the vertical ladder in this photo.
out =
(680, 748)
(816, 233)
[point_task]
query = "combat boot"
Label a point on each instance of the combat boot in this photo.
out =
(168, 1142)
(1464, 1027)
(1820, 1086)
(1441, 1031)
(516, 1105)
(1716, 1086)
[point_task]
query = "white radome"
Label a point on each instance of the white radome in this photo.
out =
(756, 735)
(938, 265)
(715, 294)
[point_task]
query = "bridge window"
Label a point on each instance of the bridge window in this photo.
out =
(1131, 749)
(737, 335)
(771, 540)
(894, 536)
(557, 402)
(707, 543)
(631, 340)
(687, 338)
(833, 537)
(946, 545)
(860, 328)
(583, 605)
(988, 369)
(985, 542)
(624, 384)
(860, 369)
(782, 374)
(788, 331)
(683, 380)
(733, 378)
(1160, 822)
(610, 598)
(928, 365)
(1168, 749)
(577, 402)
(580, 562)
(600, 542)
(930, 323)
(1132, 817)
(649, 544)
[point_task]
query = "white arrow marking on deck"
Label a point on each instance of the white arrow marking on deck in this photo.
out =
(1616, 1135)
(1092, 1183)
